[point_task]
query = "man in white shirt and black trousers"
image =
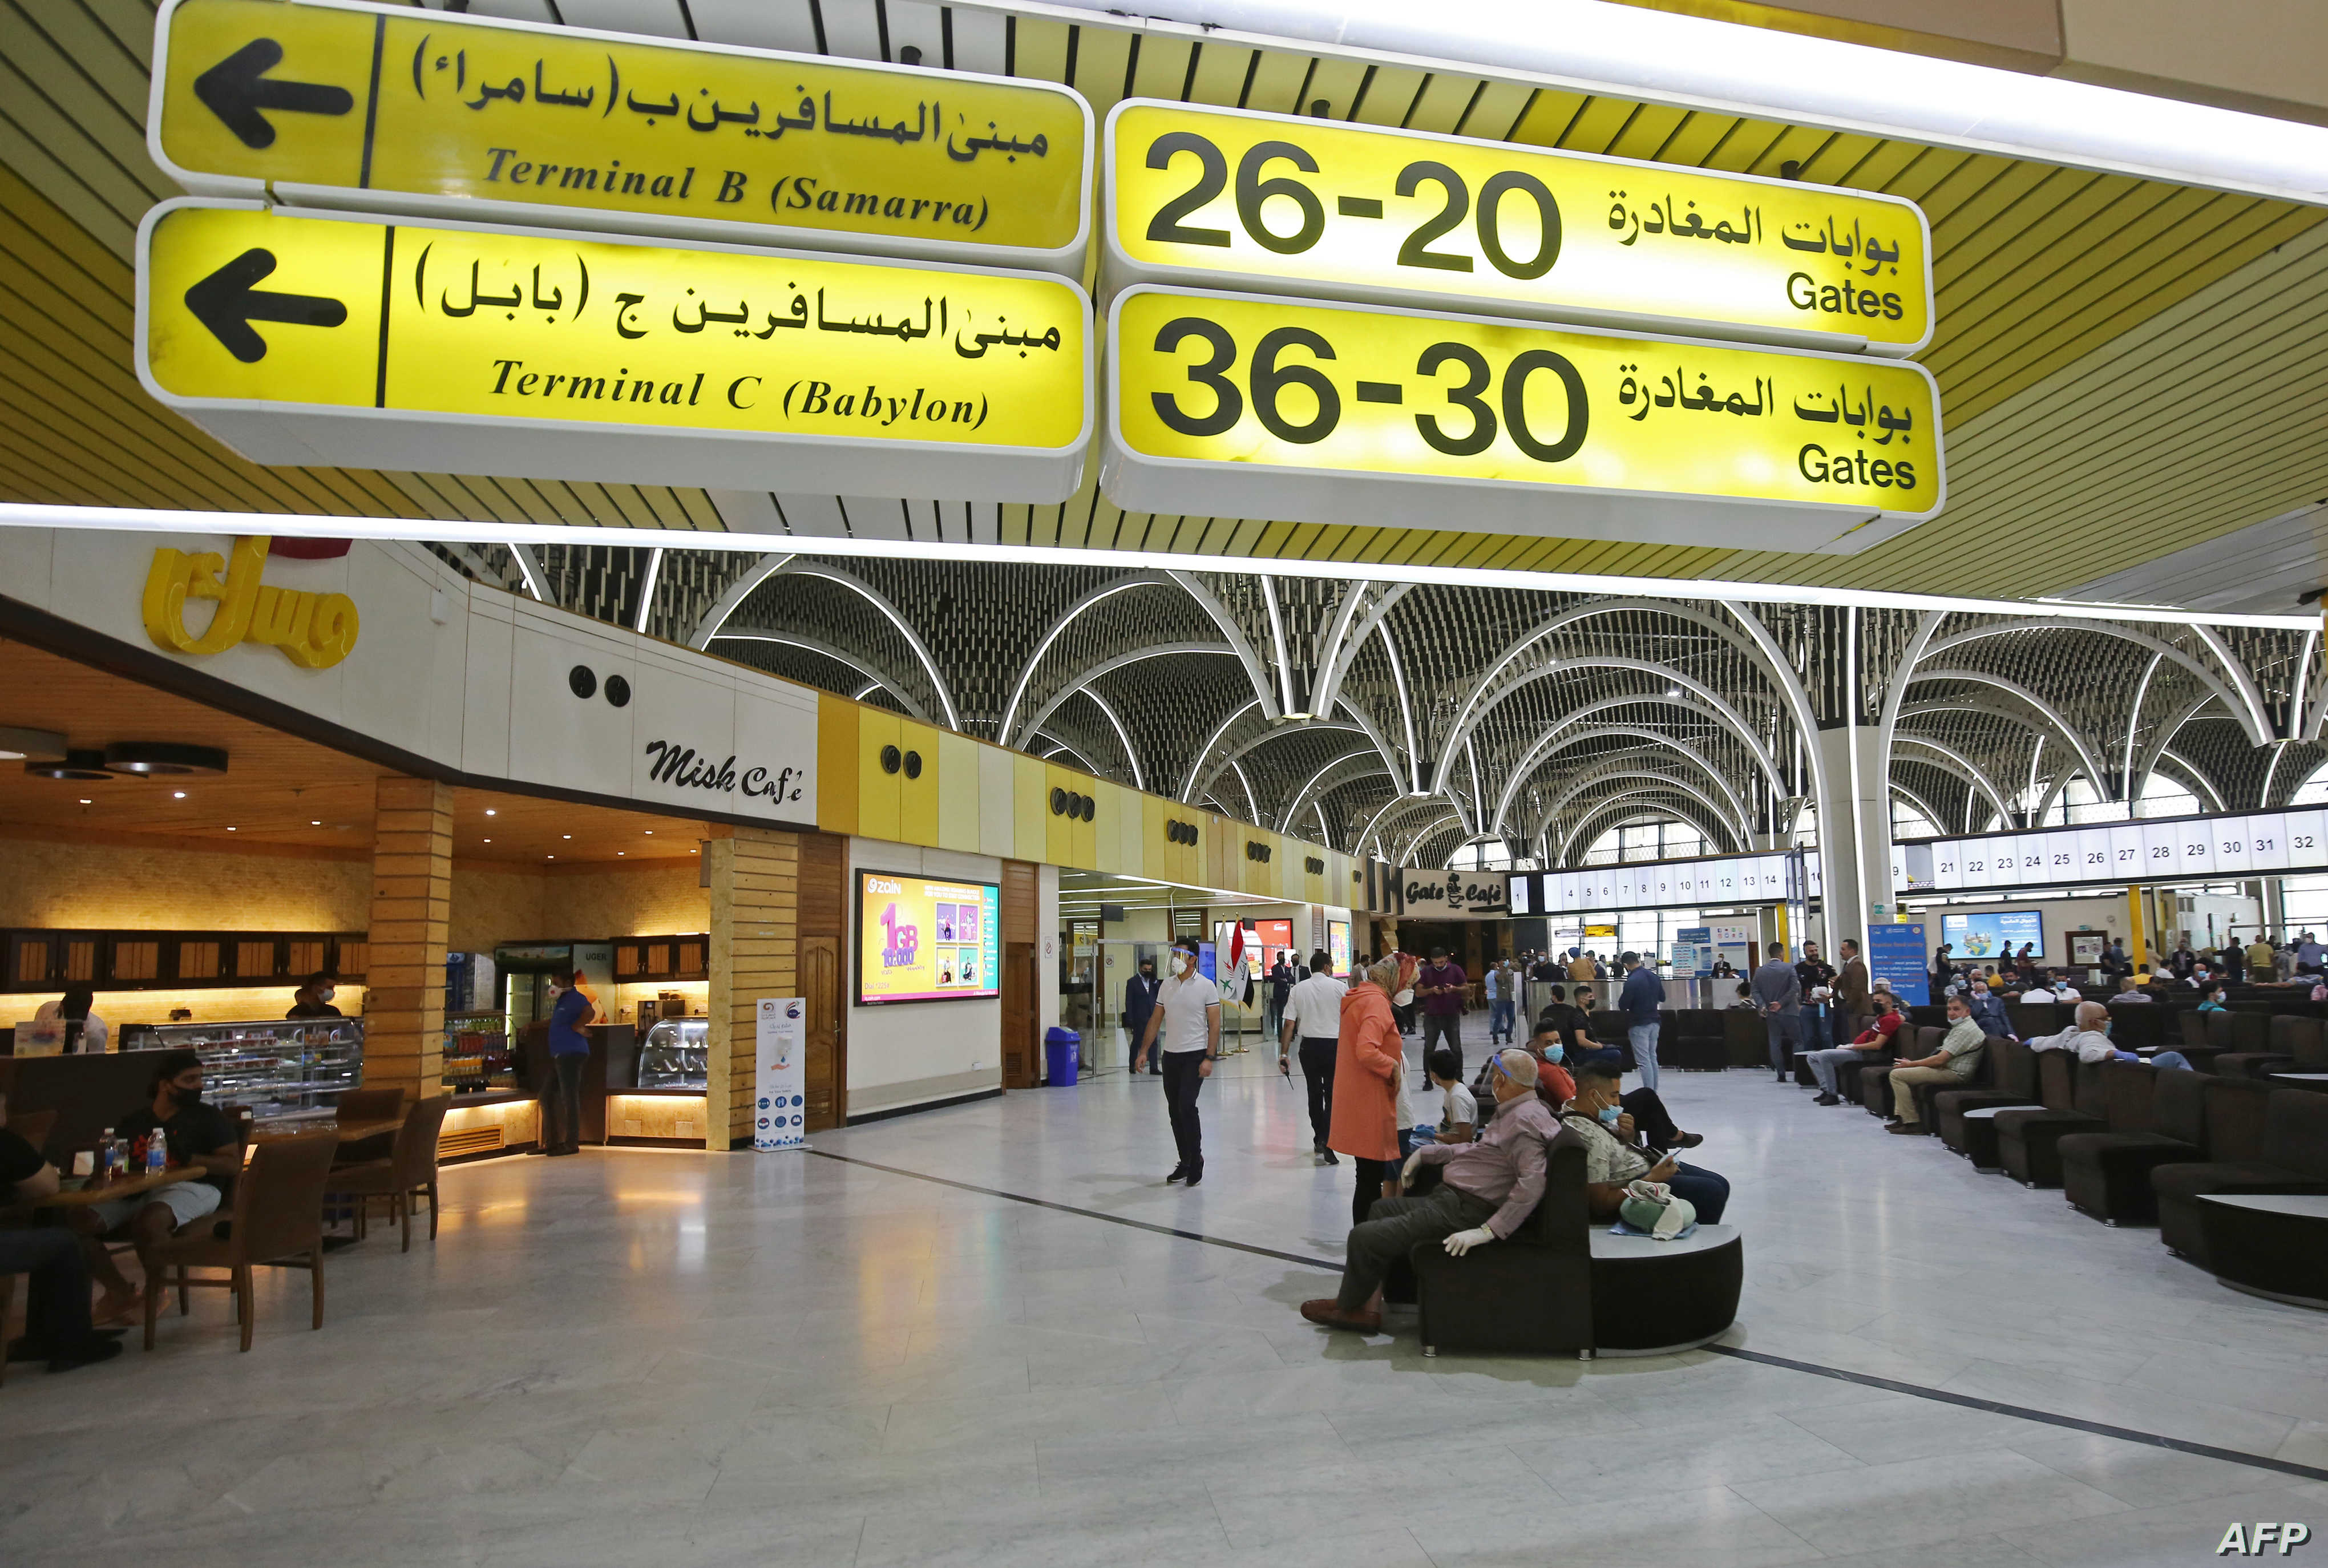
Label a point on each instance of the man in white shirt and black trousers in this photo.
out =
(1313, 1016)
(1186, 1028)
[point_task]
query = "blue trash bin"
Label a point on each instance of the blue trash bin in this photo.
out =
(1060, 1049)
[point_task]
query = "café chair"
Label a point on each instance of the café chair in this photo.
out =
(367, 1106)
(410, 1169)
(276, 1216)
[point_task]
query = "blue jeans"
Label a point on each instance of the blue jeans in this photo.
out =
(1825, 1063)
(1644, 1039)
(2173, 1059)
(1499, 1020)
(1707, 1192)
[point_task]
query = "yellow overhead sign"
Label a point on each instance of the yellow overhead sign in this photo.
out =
(444, 115)
(348, 339)
(1213, 197)
(1249, 407)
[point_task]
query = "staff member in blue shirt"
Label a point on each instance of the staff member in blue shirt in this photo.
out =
(569, 1048)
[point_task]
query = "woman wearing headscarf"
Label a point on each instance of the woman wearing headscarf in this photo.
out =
(1368, 1055)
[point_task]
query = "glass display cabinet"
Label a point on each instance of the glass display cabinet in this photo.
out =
(284, 1069)
(674, 1055)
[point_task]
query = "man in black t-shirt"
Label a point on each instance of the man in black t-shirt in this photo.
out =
(56, 1310)
(202, 1142)
(1572, 1026)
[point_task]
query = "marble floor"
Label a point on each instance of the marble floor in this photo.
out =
(660, 1357)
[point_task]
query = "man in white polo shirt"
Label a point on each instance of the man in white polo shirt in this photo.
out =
(1185, 1027)
(1313, 1016)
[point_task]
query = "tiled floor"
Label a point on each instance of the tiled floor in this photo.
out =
(664, 1358)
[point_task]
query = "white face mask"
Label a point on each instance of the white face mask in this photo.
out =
(325, 993)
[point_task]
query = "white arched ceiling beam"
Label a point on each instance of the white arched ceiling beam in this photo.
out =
(1617, 811)
(1197, 776)
(1233, 634)
(1397, 808)
(728, 602)
(2014, 715)
(1623, 765)
(2193, 775)
(1791, 688)
(1966, 769)
(2148, 764)
(1075, 612)
(2258, 723)
(1293, 810)
(1545, 750)
(1923, 807)
(887, 682)
(800, 566)
(1464, 722)
(2049, 723)
(1058, 699)
(2258, 731)
(1261, 737)
(1122, 736)
(1088, 766)
(1405, 708)
(1895, 691)
(1576, 715)
(1414, 841)
(1338, 667)
(1251, 801)
(1364, 721)
(1710, 699)
(1972, 785)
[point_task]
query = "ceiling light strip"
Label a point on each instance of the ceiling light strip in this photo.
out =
(164, 520)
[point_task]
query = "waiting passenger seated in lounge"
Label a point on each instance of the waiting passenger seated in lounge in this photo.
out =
(1612, 1159)
(2089, 1038)
(1486, 1189)
(1868, 1043)
(1955, 1062)
(1989, 1010)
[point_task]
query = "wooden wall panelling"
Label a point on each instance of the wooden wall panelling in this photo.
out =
(411, 918)
(754, 940)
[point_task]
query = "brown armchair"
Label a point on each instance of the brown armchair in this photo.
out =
(409, 1169)
(277, 1215)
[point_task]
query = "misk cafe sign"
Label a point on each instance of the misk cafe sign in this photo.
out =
(1453, 894)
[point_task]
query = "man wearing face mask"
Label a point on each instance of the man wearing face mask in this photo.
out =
(313, 999)
(1139, 1001)
(201, 1142)
(1186, 1028)
(1597, 1115)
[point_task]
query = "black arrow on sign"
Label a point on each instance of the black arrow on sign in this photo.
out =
(237, 88)
(225, 303)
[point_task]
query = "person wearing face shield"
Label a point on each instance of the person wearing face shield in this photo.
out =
(201, 1142)
(1487, 1189)
(1184, 1028)
(313, 999)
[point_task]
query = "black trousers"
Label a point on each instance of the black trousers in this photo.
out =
(1317, 1072)
(56, 1307)
(561, 1107)
(1442, 1030)
(1182, 1082)
(1650, 1119)
(1371, 1175)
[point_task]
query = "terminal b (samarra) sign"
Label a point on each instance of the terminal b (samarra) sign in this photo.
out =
(350, 339)
(1224, 198)
(437, 114)
(1238, 405)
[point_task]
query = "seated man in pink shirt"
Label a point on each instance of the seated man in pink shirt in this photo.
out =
(1485, 1190)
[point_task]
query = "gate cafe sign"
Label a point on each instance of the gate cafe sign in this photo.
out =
(350, 339)
(437, 114)
(1234, 199)
(1429, 895)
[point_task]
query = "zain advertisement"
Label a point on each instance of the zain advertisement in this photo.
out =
(920, 940)
(1988, 936)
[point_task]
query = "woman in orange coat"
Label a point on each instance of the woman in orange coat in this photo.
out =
(1367, 1062)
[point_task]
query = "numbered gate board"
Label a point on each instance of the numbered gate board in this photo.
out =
(1241, 406)
(1227, 198)
(348, 339)
(435, 113)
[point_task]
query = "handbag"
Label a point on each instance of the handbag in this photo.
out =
(1651, 1208)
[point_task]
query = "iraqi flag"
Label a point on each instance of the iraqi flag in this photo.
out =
(1236, 979)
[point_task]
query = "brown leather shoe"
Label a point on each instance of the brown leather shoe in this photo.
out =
(1907, 1129)
(1328, 1313)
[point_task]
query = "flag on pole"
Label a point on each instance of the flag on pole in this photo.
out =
(1236, 979)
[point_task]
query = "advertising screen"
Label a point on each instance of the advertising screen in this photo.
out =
(919, 939)
(1337, 945)
(1987, 936)
(1276, 941)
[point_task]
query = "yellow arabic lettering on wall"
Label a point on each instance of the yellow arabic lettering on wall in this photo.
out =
(523, 326)
(315, 631)
(435, 104)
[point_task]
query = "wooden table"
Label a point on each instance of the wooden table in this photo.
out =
(2272, 1245)
(348, 1132)
(98, 1192)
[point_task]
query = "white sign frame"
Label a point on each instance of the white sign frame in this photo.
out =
(779, 1088)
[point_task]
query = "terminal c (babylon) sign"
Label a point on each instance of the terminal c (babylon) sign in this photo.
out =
(347, 338)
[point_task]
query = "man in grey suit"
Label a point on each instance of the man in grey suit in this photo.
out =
(1778, 992)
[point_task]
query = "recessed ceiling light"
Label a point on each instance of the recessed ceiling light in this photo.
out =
(84, 803)
(157, 758)
(565, 835)
(177, 794)
(233, 830)
(488, 840)
(316, 822)
(649, 833)
(621, 851)
(491, 813)
(549, 856)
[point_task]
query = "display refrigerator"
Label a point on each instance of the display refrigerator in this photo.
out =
(283, 1070)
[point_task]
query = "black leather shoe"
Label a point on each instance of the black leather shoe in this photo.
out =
(1180, 1173)
(1330, 1159)
(1196, 1173)
(1828, 1100)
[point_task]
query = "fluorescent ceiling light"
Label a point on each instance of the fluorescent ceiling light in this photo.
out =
(161, 520)
(1629, 51)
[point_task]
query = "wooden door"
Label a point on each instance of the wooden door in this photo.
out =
(825, 1065)
(1021, 1062)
